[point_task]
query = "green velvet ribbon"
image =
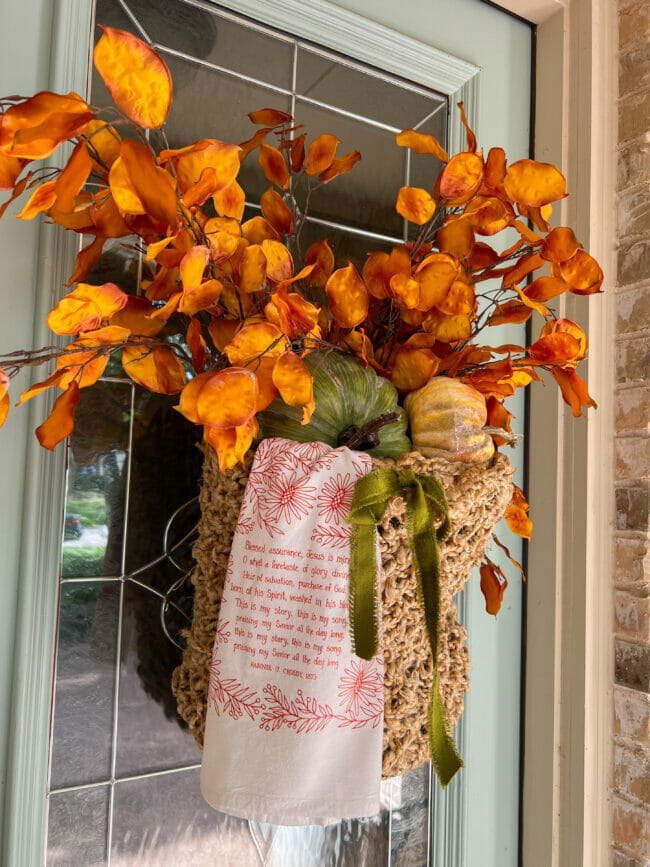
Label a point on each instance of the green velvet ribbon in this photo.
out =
(423, 496)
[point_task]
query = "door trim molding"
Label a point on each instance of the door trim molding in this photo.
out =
(569, 654)
(25, 807)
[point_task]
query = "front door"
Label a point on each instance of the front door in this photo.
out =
(124, 771)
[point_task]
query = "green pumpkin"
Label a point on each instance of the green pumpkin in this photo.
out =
(347, 396)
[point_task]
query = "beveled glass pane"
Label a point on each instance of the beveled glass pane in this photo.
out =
(201, 32)
(365, 197)
(331, 81)
(97, 475)
(85, 682)
(410, 818)
(77, 825)
(151, 735)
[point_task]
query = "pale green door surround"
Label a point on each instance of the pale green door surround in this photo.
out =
(500, 46)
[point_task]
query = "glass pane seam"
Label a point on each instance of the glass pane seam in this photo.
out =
(95, 580)
(430, 115)
(221, 12)
(364, 233)
(345, 113)
(135, 22)
(182, 55)
(145, 775)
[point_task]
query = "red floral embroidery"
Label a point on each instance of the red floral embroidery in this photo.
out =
(302, 714)
(333, 537)
(222, 634)
(361, 688)
(335, 498)
(289, 500)
(231, 697)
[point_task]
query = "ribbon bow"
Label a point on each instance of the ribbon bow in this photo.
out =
(423, 495)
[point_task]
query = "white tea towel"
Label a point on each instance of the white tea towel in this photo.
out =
(295, 720)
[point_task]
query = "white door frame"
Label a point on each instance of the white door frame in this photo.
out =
(569, 652)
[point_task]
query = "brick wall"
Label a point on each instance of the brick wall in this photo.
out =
(631, 780)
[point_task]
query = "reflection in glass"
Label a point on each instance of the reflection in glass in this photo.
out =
(77, 826)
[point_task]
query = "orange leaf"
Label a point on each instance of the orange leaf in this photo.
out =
(512, 312)
(297, 152)
(105, 217)
(498, 415)
(153, 186)
(471, 138)
(556, 348)
(534, 184)
(190, 162)
(252, 269)
(73, 177)
(491, 588)
(89, 362)
(413, 366)
(200, 297)
(545, 288)
(459, 300)
(201, 191)
(4, 397)
(60, 422)
(227, 398)
(222, 331)
(321, 257)
(489, 215)
(136, 316)
(348, 297)
(223, 246)
(461, 177)
(566, 326)
(435, 274)
(279, 264)
(86, 259)
(375, 274)
(339, 166)
(448, 329)
(421, 143)
(250, 144)
(574, 390)
(294, 382)
(495, 169)
(136, 77)
(405, 289)
(516, 516)
(525, 266)
(39, 387)
(415, 205)
(33, 129)
(10, 169)
(85, 307)
(40, 200)
(269, 117)
(197, 345)
(103, 143)
(192, 267)
(560, 244)
(321, 154)
(583, 274)
(255, 340)
(263, 370)
(456, 237)
(230, 201)
(257, 229)
(277, 212)
(231, 444)
(274, 166)
(155, 368)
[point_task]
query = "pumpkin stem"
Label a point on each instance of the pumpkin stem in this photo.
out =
(366, 436)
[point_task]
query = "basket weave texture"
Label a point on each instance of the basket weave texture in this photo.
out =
(477, 498)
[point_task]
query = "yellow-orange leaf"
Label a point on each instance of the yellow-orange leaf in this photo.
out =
(319, 255)
(277, 212)
(534, 184)
(339, 166)
(574, 390)
(461, 177)
(34, 128)
(10, 169)
(222, 331)
(136, 316)
(415, 205)
(545, 288)
(4, 397)
(200, 297)
(489, 215)
(421, 143)
(583, 274)
(435, 275)
(405, 289)
(512, 312)
(230, 201)
(60, 422)
(375, 274)
(197, 345)
(103, 143)
(294, 382)
(448, 329)
(257, 229)
(560, 244)
(137, 78)
(192, 267)
(232, 443)
(40, 200)
(471, 138)
(348, 297)
(269, 117)
(252, 269)
(495, 169)
(227, 398)
(297, 152)
(556, 348)
(73, 177)
(491, 587)
(279, 264)
(413, 367)
(153, 186)
(274, 166)
(255, 340)
(191, 162)
(155, 368)
(459, 300)
(321, 154)
(456, 237)
(85, 308)
(88, 363)
(39, 387)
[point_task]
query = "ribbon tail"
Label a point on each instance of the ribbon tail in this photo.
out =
(442, 747)
(362, 602)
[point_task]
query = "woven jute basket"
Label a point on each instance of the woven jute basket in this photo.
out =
(477, 497)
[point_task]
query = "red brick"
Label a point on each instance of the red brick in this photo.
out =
(634, 68)
(631, 827)
(632, 613)
(632, 409)
(632, 665)
(632, 508)
(633, 115)
(633, 25)
(632, 561)
(632, 455)
(634, 161)
(633, 360)
(632, 772)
